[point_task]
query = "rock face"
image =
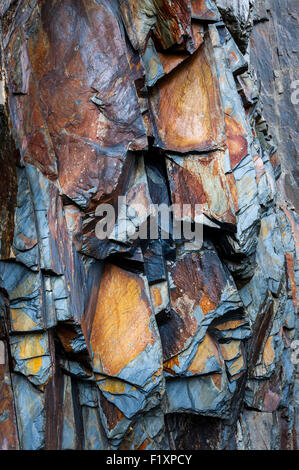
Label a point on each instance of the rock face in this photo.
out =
(276, 32)
(151, 342)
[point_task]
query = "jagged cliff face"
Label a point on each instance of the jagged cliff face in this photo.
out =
(125, 343)
(276, 33)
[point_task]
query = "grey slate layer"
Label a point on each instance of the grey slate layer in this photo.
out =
(122, 344)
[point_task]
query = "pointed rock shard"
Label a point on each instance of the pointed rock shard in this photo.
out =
(200, 179)
(170, 22)
(204, 10)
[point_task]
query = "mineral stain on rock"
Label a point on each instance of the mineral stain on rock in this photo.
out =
(148, 344)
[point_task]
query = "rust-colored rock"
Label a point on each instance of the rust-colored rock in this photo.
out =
(144, 121)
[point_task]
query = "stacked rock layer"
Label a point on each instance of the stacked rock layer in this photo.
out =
(126, 343)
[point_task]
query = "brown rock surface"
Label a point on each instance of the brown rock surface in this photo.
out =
(145, 339)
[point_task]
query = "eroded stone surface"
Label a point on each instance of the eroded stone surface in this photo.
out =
(156, 343)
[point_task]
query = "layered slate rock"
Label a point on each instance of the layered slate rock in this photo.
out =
(143, 339)
(276, 31)
(99, 117)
